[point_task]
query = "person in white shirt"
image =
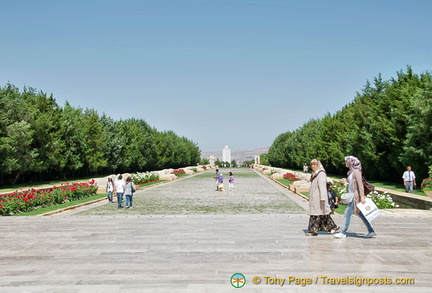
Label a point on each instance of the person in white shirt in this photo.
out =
(110, 189)
(409, 180)
(120, 189)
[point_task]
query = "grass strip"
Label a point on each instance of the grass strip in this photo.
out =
(61, 206)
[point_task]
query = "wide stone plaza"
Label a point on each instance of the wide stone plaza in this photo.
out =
(183, 236)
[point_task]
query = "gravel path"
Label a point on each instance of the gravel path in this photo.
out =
(253, 194)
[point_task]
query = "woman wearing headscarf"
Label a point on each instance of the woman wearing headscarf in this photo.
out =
(319, 209)
(355, 184)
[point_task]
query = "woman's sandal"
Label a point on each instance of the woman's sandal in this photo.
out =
(334, 230)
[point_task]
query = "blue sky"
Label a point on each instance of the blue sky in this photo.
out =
(218, 72)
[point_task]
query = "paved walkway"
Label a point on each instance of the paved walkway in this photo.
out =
(150, 249)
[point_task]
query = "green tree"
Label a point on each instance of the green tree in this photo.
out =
(16, 145)
(71, 125)
(94, 137)
(204, 161)
(416, 147)
(387, 126)
(43, 114)
(264, 160)
(40, 140)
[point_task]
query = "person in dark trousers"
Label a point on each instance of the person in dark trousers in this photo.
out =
(409, 180)
(332, 197)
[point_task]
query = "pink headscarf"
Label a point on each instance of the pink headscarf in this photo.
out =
(353, 164)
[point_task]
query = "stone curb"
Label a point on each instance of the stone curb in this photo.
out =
(284, 186)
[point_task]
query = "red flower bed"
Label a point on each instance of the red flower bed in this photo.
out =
(426, 184)
(290, 177)
(178, 171)
(22, 201)
(148, 181)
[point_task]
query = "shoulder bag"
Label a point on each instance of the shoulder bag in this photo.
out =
(347, 197)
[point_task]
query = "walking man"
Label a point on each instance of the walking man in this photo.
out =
(409, 180)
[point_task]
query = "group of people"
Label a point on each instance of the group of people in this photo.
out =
(320, 205)
(220, 181)
(120, 188)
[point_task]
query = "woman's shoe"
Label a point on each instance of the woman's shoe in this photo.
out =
(334, 230)
(339, 235)
(370, 235)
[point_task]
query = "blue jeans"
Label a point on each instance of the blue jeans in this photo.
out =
(349, 210)
(119, 199)
(129, 200)
(110, 196)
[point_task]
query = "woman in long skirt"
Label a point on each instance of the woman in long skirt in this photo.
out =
(319, 208)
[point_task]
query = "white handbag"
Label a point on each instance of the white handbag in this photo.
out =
(347, 197)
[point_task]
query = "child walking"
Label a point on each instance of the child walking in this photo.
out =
(221, 185)
(231, 181)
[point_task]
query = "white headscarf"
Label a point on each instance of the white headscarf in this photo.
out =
(353, 164)
(320, 168)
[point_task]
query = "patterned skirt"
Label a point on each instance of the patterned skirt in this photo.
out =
(321, 223)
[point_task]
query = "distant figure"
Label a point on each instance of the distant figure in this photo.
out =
(409, 180)
(221, 184)
(120, 189)
(110, 189)
(305, 168)
(216, 177)
(231, 181)
(129, 190)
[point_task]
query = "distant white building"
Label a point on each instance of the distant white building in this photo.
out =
(226, 154)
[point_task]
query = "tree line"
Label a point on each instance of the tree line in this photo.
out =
(388, 126)
(39, 140)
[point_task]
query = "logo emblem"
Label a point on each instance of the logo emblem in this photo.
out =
(238, 280)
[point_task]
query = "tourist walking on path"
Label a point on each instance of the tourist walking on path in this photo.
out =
(110, 189)
(319, 209)
(221, 183)
(231, 181)
(120, 189)
(409, 180)
(216, 177)
(355, 185)
(129, 190)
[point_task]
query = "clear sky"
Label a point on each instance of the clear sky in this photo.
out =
(235, 72)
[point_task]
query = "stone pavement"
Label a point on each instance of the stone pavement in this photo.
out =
(124, 251)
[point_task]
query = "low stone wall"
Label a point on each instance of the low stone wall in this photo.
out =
(408, 200)
(404, 200)
(277, 173)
